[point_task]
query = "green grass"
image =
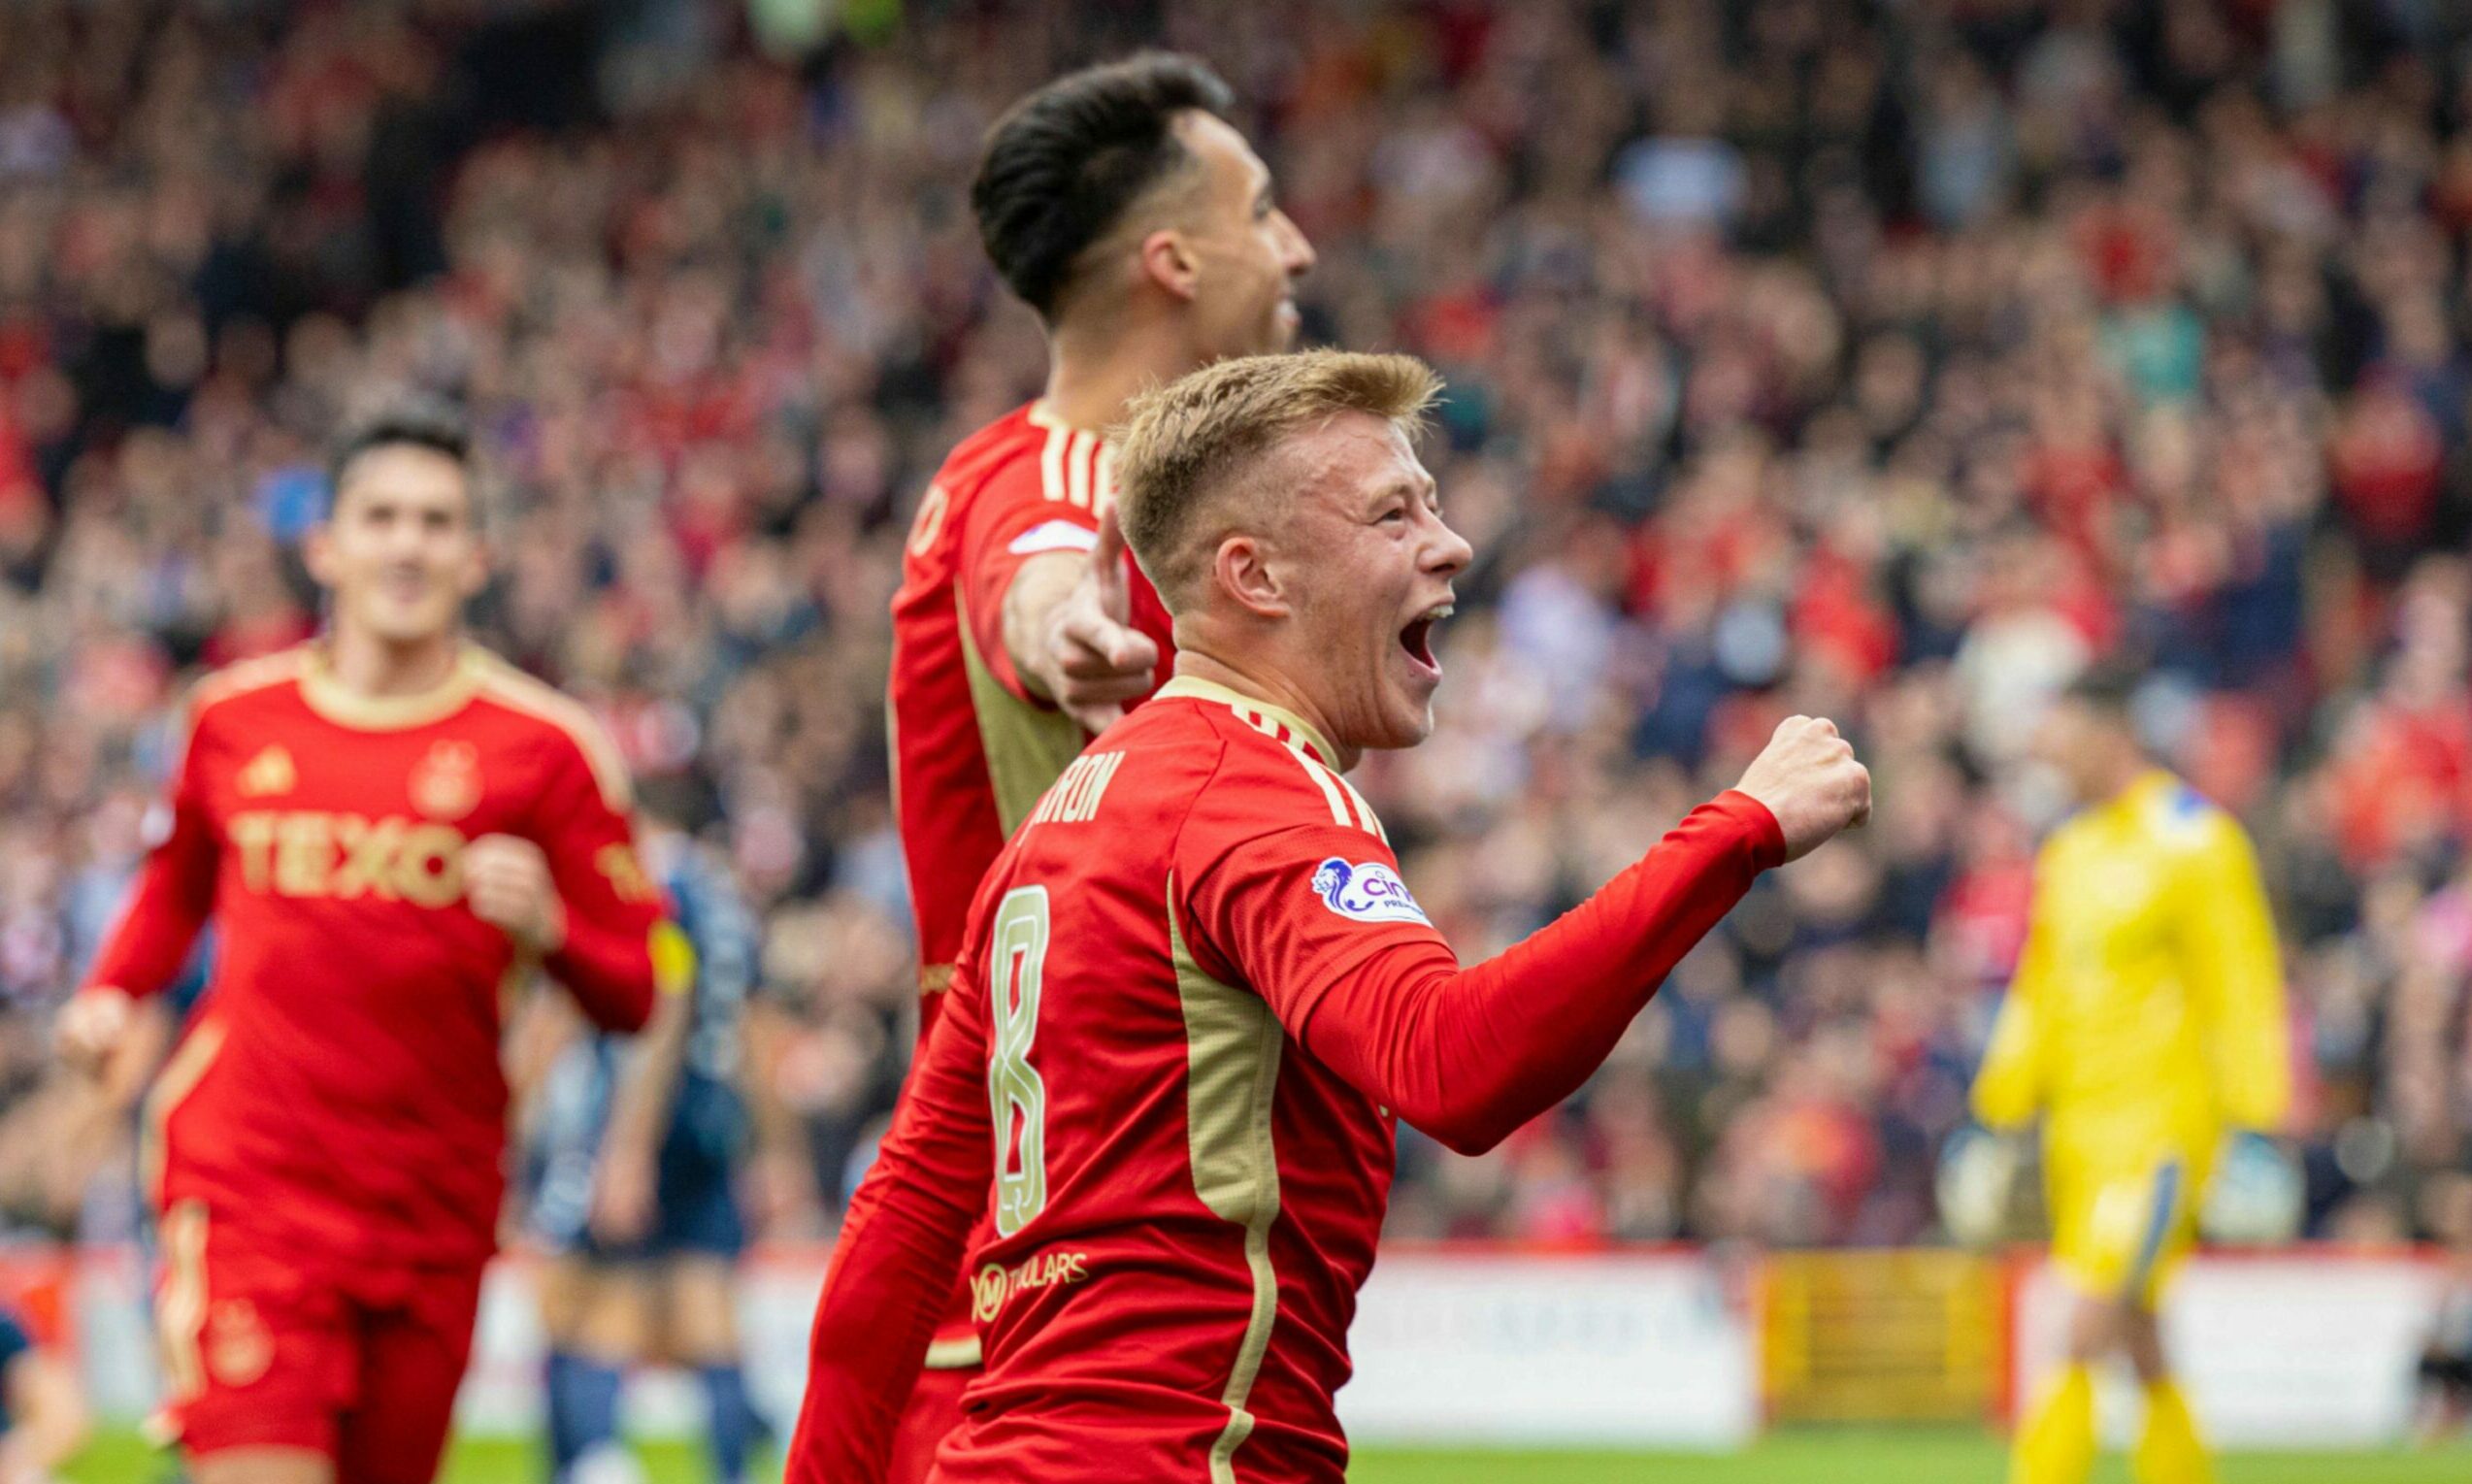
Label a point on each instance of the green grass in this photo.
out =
(1803, 1456)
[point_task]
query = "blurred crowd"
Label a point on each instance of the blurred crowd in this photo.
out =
(1886, 361)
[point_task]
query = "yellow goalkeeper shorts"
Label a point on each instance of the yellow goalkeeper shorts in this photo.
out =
(2121, 1226)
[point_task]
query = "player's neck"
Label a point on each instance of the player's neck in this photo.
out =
(1262, 683)
(367, 665)
(1092, 375)
(2120, 775)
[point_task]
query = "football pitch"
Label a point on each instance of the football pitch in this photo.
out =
(1802, 1455)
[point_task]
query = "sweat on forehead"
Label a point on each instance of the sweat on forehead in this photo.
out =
(1195, 442)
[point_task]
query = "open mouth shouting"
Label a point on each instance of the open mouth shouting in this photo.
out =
(1417, 638)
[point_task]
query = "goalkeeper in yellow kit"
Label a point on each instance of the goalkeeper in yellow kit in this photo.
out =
(2145, 1027)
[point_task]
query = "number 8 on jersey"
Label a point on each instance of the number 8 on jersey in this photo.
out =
(1013, 1085)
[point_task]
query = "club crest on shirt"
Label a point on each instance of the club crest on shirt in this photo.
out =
(271, 771)
(446, 784)
(1366, 891)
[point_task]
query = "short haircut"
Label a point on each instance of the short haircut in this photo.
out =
(420, 421)
(2109, 687)
(1182, 454)
(1064, 164)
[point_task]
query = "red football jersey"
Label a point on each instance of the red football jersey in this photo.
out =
(339, 1088)
(1164, 1091)
(973, 750)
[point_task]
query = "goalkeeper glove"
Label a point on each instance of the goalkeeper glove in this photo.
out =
(2255, 1195)
(1978, 1184)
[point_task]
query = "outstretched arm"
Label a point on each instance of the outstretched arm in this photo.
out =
(1364, 982)
(1469, 1055)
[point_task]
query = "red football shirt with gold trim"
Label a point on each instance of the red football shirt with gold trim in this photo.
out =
(1162, 1098)
(972, 750)
(339, 1091)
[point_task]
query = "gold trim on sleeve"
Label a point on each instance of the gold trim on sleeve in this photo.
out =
(1027, 747)
(1232, 1047)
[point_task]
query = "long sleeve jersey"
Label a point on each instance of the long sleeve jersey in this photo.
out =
(1193, 1001)
(2147, 1008)
(340, 1087)
(972, 748)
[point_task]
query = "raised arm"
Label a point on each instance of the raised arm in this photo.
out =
(1363, 982)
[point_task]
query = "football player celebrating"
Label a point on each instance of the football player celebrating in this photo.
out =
(387, 825)
(1121, 204)
(1195, 996)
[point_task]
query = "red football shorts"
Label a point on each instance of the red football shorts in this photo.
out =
(268, 1349)
(935, 1411)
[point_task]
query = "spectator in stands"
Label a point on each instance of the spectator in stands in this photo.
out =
(1885, 362)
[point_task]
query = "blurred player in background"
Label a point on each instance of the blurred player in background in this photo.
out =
(635, 1163)
(1121, 206)
(1196, 998)
(2445, 1368)
(388, 826)
(43, 1417)
(2144, 1026)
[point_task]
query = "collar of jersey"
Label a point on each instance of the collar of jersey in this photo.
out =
(1239, 702)
(1041, 415)
(331, 698)
(2153, 782)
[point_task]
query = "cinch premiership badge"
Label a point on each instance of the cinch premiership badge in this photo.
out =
(1367, 891)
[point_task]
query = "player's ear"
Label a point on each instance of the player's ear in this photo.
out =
(317, 552)
(475, 574)
(1168, 260)
(1242, 570)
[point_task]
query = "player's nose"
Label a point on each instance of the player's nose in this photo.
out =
(1447, 553)
(1298, 257)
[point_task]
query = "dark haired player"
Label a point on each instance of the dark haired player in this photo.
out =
(1121, 204)
(388, 827)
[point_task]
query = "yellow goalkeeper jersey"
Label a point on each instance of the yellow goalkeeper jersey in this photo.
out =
(2147, 1012)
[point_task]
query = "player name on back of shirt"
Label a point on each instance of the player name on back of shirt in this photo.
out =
(1074, 796)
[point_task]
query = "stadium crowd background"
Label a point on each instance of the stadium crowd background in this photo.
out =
(1882, 361)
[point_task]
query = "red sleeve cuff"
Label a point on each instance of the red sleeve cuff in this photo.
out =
(1767, 839)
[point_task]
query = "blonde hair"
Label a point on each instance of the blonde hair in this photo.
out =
(1180, 455)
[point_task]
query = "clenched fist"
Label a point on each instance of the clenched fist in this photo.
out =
(1808, 779)
(507, 881)
(92, 1028)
